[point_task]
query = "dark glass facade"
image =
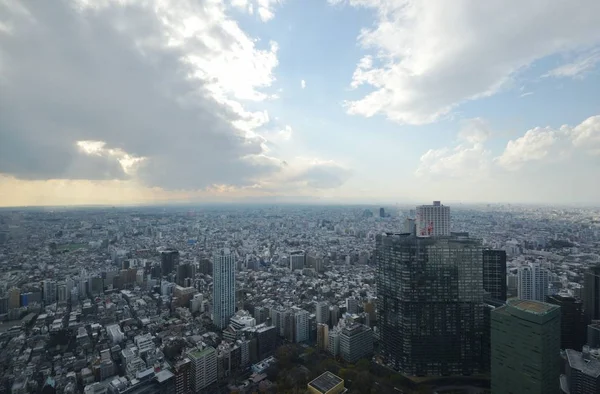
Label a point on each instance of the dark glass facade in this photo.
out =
(572, 321)
(591, 291)
(430, 304)
(526, 348)
(494, 274)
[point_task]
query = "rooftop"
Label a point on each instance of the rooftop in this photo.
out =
(589, 366)
(325, 382)
(201, 353)
(535, 307)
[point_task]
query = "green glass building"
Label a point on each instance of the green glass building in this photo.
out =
(526, 348)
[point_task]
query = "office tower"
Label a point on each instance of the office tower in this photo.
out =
(351, 305)
(322, 336)
(490, 305)
(169, 259)
(533, 282)
(49, 289)
(301, 326)
(381, 212)
(322, 312)
(61, 291)
(430, 303)
(184, 271)
(266, 340)
(593, 334)
(14, 298)
(582, 373)
(297, 260)
(591, 293)
(526, 348)
(433, 220)
(410, 226)
(204, 367)
(334, 342)
(261, 314)
(494, 274)
(572, 321)
(320, 265)
(356, 342)
(223, 287)
(183, 376)
(205, 266)
(334, 315)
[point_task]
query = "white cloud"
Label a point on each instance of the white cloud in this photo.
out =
(286, 133)
(586, 135)
(427, 57)
(303, 84)
(468, 160)
(534, 145)
(578, 68)
(265, 8)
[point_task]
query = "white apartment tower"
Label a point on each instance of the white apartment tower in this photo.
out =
(533, 282)
(223, 287)
(433, 220)
(204, 367)
(301, 325)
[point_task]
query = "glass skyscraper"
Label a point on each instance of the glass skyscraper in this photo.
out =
(430, 303)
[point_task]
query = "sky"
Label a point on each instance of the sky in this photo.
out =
(123, 102)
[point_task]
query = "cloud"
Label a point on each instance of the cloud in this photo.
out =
(578, 68)
(534, 145)
(110, 90)
(544, 164)
(266, 8)
(303, 84)
(469, 159)
(428, 57)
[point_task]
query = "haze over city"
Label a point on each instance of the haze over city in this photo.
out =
(134, 102)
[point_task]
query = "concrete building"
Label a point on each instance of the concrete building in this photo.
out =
(356, 342)
(204, 367)
(525, 348)
(301, 326)
(49, 289)
(533, 282)
(223, 287)
(322, 337)
(432, 220)
(14, 298)
(322, 312)
(326, 383)
(297, 260)
(351, 305)
(582, 373)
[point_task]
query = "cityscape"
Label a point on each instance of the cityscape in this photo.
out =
(295, 299)
(299, 197)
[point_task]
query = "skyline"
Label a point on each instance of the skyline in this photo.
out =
(257, 101)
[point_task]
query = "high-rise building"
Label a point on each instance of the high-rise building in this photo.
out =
(322, 336)
(183, 377)
(432, 220)
(593, 334)
(381, 212)
(14, 298)
(297, 260)
(356, 342)
(204, 367)
(49, 289)
(301, 325)
(223, 287)
(169, 259)
(334, 315)
(184, 271)
(322, 312)
(533, 282)
(430, 303)
(494, 274)
(582, 372)
(591, 293)
(572, 321)
(351, 305)
(526, 347)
